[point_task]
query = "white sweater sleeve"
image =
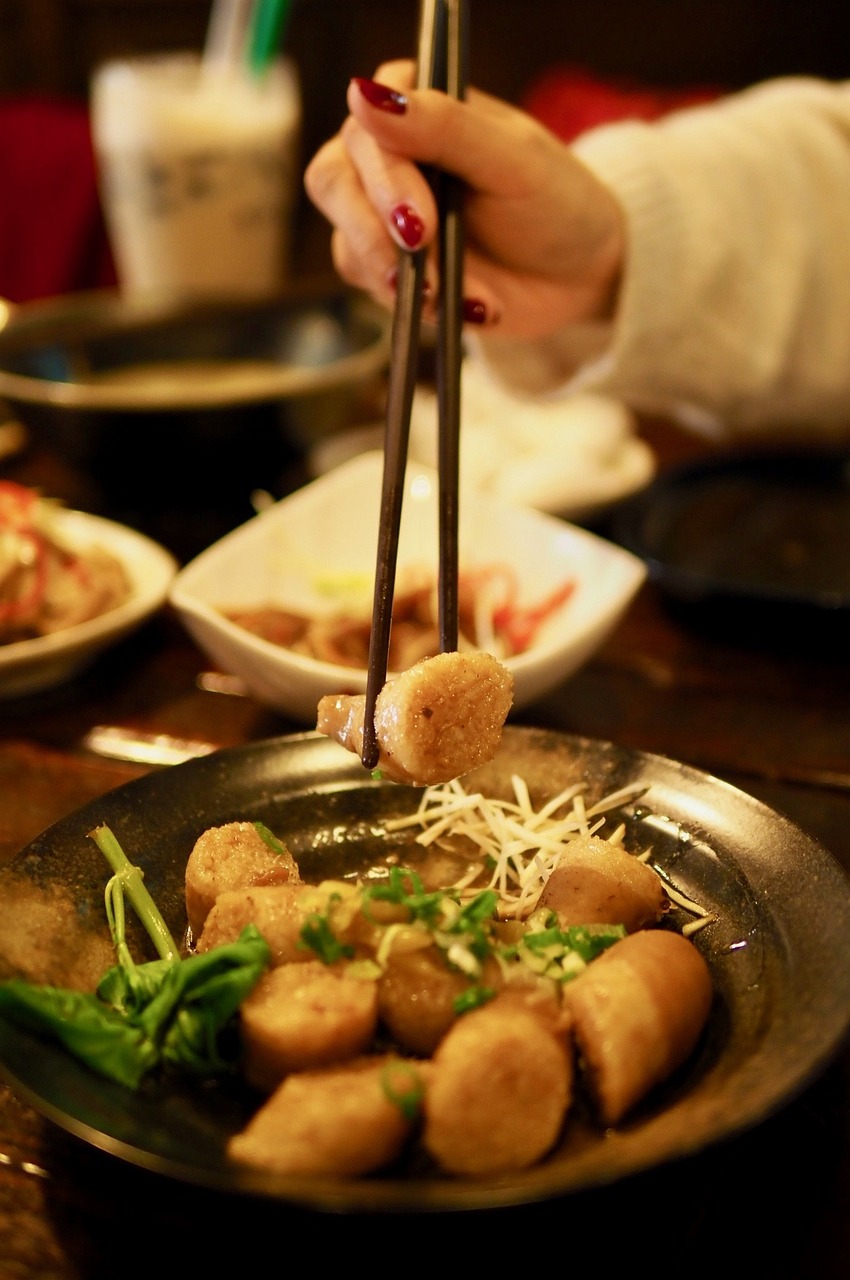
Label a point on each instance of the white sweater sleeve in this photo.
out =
(734, 314)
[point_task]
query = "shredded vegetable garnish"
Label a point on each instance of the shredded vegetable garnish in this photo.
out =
(46, 584)
(521, 845)
(704, 917)
(466, 930)
(492, 615)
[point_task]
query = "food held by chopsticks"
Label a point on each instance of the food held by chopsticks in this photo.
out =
(434, 722)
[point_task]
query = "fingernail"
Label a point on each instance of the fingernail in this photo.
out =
(380, 96)
(408, 224)
(474, 311)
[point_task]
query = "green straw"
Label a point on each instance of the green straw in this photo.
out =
(266, 34)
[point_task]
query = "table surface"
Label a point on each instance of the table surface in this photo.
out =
(771, 719)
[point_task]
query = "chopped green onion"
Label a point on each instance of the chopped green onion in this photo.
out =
(409, 1098)
(318, 935)
(268, 837)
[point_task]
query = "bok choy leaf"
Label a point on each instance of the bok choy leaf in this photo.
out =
(170, 1011)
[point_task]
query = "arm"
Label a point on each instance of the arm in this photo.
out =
(734, 309)
(699, 266)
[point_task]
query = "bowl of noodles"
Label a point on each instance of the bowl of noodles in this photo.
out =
(283, 603)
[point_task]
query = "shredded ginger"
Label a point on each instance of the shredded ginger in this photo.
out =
(521, 844)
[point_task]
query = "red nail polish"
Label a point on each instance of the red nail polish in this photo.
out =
(408, 224)
(474, 311)
(382, 97)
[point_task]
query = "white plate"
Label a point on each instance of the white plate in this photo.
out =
(29, 666)
(571, 456)
(314, 553)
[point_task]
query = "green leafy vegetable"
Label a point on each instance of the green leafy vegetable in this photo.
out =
(130, 880)
(166, 1011)
(89, 1029)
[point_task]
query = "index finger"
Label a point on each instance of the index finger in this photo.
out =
(494, 147)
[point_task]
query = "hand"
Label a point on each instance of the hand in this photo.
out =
(544, 238)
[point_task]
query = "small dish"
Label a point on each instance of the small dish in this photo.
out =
(758, 538)
(314, 553)
(30, 666)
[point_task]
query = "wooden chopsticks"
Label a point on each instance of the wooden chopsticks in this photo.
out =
(441, 64)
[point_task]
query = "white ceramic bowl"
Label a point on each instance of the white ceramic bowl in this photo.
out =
(29, 666)
(315, 550)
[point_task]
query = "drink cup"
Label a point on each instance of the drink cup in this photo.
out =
(198, 173)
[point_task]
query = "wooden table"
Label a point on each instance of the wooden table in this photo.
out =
(773, 720)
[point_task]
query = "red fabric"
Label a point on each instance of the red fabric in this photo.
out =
(52, 236)
(569, 100)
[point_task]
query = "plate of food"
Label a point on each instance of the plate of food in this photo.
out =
(71, 584)
(751, 900)
(291, 615)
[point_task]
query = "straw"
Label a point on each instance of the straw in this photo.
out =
(265, 37)
(227, 34)
(245, 34)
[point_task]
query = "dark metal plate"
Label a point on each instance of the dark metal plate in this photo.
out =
(782, 1007)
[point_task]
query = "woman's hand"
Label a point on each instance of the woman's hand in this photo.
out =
(544, 238)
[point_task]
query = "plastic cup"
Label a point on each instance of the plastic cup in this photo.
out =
(198, 174)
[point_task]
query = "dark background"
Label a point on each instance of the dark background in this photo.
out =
(51, 45)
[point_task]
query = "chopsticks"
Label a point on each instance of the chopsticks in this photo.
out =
(441, 64)
(449, 201)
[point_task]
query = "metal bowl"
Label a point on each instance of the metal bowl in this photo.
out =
(169, 408)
